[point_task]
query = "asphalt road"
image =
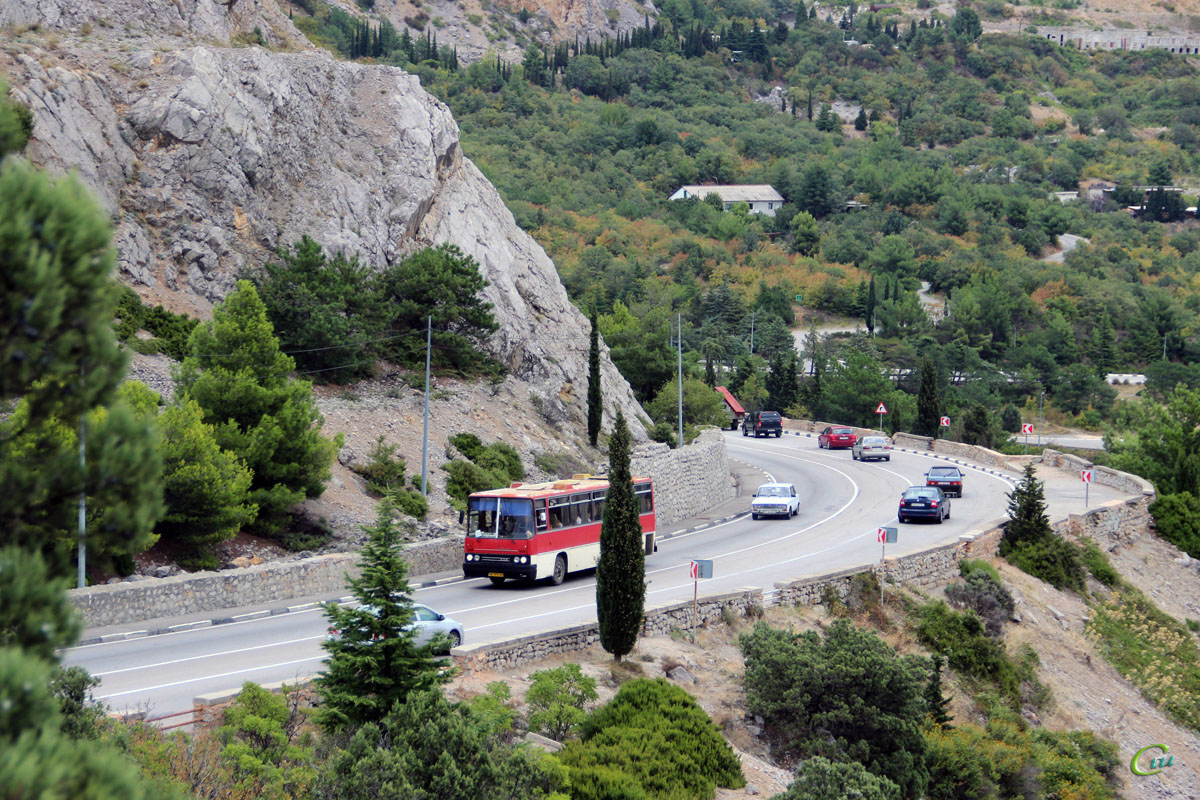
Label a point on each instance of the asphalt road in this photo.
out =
(842, 504)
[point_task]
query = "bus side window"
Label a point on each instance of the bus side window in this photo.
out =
(559, 513)
(540, 517)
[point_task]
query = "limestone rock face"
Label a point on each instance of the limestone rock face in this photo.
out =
(210, 157)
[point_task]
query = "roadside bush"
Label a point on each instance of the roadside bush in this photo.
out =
(821, 779)
(986, 596)
(490, 466)
(1097, 563)
(556, 699)
(170, 331)
(654, 733)
(844, 696)
(1177, 519)
(962, 638)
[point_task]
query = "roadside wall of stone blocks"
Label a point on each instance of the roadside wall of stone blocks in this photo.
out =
(687, 481)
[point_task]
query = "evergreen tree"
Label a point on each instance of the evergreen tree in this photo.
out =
(929, 404)
(204, 487)
(621, 572)
(1030, 544)
(860, 122)
(869, 312)
(594, 399)
(237, 375)
(374, 661)
(815, 194)
(937, 703)
(977, 426)
(1028, 521)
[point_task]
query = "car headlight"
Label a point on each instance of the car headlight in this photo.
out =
(470, 557)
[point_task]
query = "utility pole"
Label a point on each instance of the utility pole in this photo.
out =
(679, 344)
(751, 334)
(425, 434)
(81, 575)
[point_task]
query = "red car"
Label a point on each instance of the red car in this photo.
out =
(833, 437)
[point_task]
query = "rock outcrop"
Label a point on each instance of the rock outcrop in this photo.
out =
(210, 156)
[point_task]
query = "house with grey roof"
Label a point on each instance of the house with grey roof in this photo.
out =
(762, 198)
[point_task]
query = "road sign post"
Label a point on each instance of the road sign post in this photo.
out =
(697, 569)
(1027, 428)
(885, 536)
(944, 422)
(1086, 477)
(881, 410)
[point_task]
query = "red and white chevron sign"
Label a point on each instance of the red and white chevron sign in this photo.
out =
(1086, 476)
(1026, 427)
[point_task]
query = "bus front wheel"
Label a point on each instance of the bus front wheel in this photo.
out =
(560, 570)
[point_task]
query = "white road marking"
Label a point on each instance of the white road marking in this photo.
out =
(206, 655)
(208, 677)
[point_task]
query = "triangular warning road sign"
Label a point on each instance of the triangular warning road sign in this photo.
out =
(882, 409)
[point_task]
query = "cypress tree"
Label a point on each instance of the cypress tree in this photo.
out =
(621, 573)
(374, 660)
(929, 405)
(870, 309)
(594, 399)
(1028, 521)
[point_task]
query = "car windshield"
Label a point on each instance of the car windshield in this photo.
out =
(944, 472)
(772, 491)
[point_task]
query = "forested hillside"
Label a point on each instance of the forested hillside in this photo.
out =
(953, 141)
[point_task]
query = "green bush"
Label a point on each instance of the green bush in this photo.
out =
(468, 444)
(170, 331)
(962, 638)
(410, 502)
(984, 594)
(467, 477)
(664, 432)
(655, 733)
(556, 698)
(1097, 563)
(1177, 519)
(1051, 559)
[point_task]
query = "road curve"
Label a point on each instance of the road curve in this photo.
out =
(842, 503)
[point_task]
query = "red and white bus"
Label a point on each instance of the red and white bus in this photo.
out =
(543, 530)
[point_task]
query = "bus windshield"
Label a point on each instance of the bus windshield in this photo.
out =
(500, 517)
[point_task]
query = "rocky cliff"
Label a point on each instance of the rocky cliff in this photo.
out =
(209, 155)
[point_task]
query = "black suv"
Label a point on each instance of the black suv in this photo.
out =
(763, 423)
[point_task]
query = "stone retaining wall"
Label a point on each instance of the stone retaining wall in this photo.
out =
(687, 481)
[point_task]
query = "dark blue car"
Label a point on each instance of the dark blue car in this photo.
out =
(923, 502)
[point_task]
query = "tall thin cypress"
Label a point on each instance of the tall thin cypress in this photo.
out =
(594, 399)
(929, 404)
(621, 573)
(869, 312)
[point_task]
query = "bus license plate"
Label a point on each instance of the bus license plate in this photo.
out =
(495, 574)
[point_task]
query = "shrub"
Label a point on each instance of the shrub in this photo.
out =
(383, 472)
(986, 596)
(410, 502)
(655, 733)
(556, 699)
(1097, 563)
(1051, 559)
(961, 637)
(1177, 519)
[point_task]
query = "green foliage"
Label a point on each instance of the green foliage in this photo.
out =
(259, 747)
(929, 404)
(490, 466)
(326, 311)
(1177, 519)
(819, 778)
(383, 471)
(170, 331)
(441, 284)
(556, 699)
(651, 740)
(701, 405)
(1010, 419)
(1098, 565)
(1030, 544)
(1162, 444)
(205, 488)
(983, 593)
(621, 570)
(960, 636)
(16, 123)
(1001, 760)
(427, 747)
(1153, 650)
(374, 661)
(846, 696)
(237, 375)
(936, 703)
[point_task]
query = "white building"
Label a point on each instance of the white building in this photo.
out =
(762, 198)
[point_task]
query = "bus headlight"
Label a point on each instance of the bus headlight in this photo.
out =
(470, 557)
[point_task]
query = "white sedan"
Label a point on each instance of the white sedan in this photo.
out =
(775, 500)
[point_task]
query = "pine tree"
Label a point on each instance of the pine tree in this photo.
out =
(237, 375)
(929, 404)
(1028, 521)
(937, 703)
(621, 572)
(374, 661)
(594, 399)
(204, 487)
(860, 122)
